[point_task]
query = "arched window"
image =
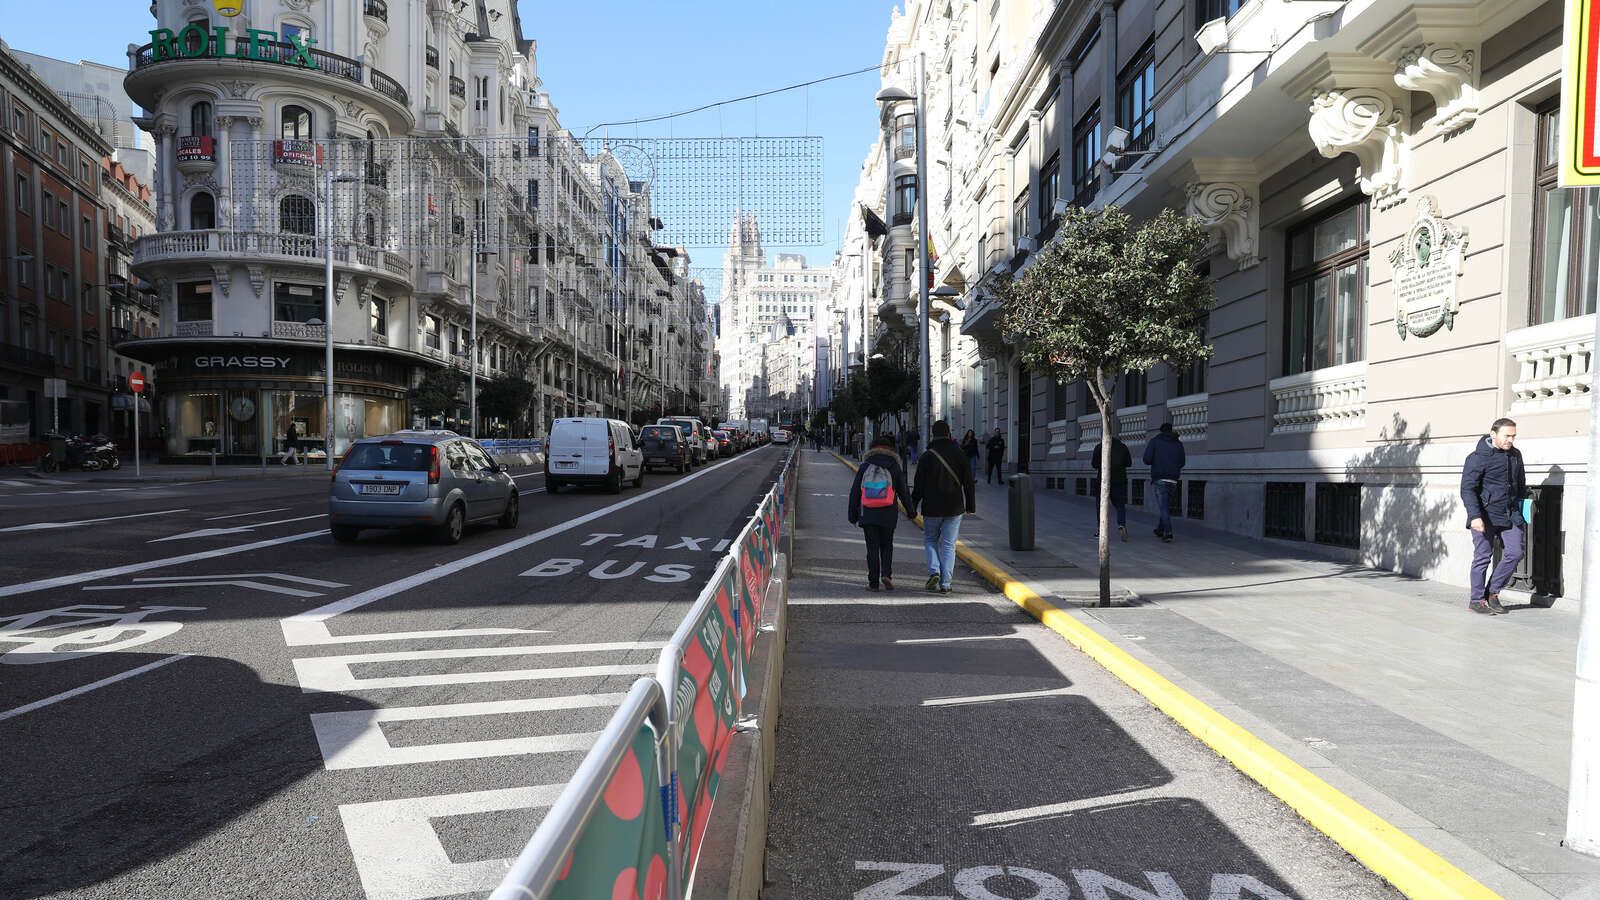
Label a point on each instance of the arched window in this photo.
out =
(297, 215)
(200, 119)
(202, 211)
(295, 124)
(372, 229)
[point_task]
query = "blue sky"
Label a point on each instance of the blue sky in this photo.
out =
(608, 60)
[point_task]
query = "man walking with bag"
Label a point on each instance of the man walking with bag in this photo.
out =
(876, 496)
(1493, 484)
(997, 456)
(1165, 457)
(943, 489)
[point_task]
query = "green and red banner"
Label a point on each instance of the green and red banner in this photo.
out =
(623, 852)
(703, 716)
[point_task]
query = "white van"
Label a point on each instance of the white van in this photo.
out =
(592, 451)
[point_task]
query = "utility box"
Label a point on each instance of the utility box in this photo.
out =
(1019, 502)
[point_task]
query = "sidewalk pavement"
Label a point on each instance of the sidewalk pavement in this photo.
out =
(1454, 727)
(950, 745)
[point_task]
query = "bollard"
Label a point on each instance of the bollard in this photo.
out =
(213, 464)
(1020, 508)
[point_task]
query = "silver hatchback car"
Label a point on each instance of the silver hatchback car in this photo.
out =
(411, 479)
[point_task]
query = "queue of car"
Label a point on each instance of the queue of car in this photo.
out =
(440, 481)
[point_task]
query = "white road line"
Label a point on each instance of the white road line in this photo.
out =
(278, 575)
(259, 512)
(310, 627)
(234, 529)
(257, 585)
(44, 584)
(329, 674)
(399, 855)
(93, 685)
(44, 526)
(354, 739)
(992, 698)
(950, 640)
(528, 475)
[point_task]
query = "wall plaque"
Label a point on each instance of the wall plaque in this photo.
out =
(1427, 265)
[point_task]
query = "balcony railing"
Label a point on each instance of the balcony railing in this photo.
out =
(214, 242)
(23, 358)
(196, 328)
(430, 57)
(1189, 415)
(904, 151)
(1555, 362)
(458, 88)
(1322, 399)
(376, 8)
(299, 330)
(279, 53)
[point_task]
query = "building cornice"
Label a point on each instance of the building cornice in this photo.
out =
(21, 75)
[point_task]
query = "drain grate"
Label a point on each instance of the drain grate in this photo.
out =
(1120, 598)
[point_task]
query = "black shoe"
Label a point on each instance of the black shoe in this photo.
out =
(872, 587)
(1160, 534)
(888, 583)
(932, 584)
(1493, 602)
(1166, 539)
(1478, 606)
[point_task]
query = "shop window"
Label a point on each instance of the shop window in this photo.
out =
(294, 123)
(1566, 270)
(297, 215)
(1326, 297)
(1338, 514)
(200, 119)
(202, 211)
(1136, 98)
(1285, 514)
(196, 423)
(1086, 157)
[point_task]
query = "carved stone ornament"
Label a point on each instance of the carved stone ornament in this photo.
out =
(340, 286)
(1369, 123)
(238, 90)
(223, 274)
(1448, 71)
(301, 5)
(1427, 265)
(351, 108)
(1233, 213)
(258, 279)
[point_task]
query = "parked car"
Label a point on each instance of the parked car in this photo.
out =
(430, 479)
(665, 446)
(778, 436)
(724, 441)
(695, 432)
(589, 450)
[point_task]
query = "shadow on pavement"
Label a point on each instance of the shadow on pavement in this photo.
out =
(131, 773)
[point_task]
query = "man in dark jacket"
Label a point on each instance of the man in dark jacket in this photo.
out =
(1493, 484)
(1165, 457)
(877, 522)
(1121, 459)
(943, 489)
(997, 457)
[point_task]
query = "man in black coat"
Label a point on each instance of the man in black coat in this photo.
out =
(943, 490)
(1493, 484)
(877, 523)
(1121, 459)
(997, 455)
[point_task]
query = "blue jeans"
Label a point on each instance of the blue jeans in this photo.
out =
(1165, 490)
(939, 540)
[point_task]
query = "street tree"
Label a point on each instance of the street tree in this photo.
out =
(1108, 296)
(508, 397)
(438, 393)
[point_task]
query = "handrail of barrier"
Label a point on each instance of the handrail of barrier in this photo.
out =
(537, 870)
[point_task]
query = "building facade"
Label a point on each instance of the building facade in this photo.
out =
(133, 309)
(53, 323)
(1393, 264)
(770, 315)
(470, 229)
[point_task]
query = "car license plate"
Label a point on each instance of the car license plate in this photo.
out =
(380, 489)
(564, 464)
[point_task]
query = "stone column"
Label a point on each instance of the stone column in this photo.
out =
(1108, 69)
(1064, 120)
(1035, 167)
(167, 172)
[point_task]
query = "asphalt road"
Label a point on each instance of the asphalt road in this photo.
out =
(242, 707)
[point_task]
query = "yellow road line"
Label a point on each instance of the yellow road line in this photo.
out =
(1389, 852)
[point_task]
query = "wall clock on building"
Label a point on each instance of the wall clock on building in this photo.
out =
(242, 409)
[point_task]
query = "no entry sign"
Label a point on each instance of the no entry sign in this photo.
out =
(136, 382)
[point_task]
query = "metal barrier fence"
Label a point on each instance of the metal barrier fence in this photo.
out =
(493, 445)
(608, 828)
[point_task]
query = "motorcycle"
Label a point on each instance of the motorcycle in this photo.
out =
(73, 452)
(104, 450)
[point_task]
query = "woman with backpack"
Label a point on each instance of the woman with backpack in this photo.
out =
(876, 496)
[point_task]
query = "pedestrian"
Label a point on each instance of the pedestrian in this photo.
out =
(291, 446)
(1165, 457)
(997, 456)
(969, 446)
(943, 489)
(912, 440)
(1121, 459)
(1493, 485)
(876, 497)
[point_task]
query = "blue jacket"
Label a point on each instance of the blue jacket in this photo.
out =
(1493, 484)
(1165, 457)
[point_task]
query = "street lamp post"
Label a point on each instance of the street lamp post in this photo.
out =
(327, 316)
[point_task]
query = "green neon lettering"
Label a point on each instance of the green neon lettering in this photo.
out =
(161, 44)
(257, 48)
(302, 51)
(193, 41)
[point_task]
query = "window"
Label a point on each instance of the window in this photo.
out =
(1206, 10)
(1196, 491)
(378, 316)
(1019, 218)
(430, 332)
(25, 274)
(1135, 388)
(372, 229)
(200, 119)
(49, 280)
(1286, 511)
(905, 128)
(63, 218)
(1086, 157)
(297, 302)
(294, 123)
(49, 210)
(86, 297)
(533, 193)
(456, 344)
(1566, 267)
(194, 301)
(83, 172)
(905, 199)
(202, 211)
(24, 194)
(19, 120)
(480, 99)
(1327, 291)
(533, 140)
(297, 215)
(1136, 95)
(63, 155)
(86, 232)
(1338, 514)
(1049, 192)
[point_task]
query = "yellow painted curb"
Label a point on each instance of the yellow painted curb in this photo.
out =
(1389, 852)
